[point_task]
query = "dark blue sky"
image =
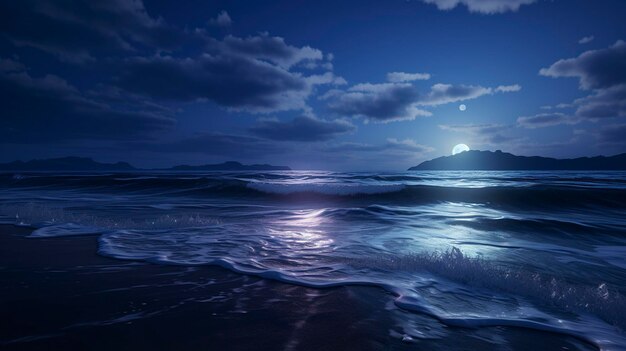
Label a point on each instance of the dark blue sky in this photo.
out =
(345, 85)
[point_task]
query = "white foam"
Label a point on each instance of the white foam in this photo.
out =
(65, 229)
(309, 247)
(400, 275)
(53, 221)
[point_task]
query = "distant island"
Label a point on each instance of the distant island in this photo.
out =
(502, 161)
(88, 164)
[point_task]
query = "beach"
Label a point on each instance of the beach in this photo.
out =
(58, 294)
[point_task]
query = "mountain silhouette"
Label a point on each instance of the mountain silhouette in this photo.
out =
(503, 161)
(88, 164)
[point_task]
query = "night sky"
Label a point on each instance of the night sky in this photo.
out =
(338, 85)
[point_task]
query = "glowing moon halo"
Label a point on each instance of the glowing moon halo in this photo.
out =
(462, 107)
(459, 148)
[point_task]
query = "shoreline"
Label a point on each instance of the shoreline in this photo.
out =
(58, 293)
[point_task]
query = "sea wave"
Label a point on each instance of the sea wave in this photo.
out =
(520, 195)
(479, 279)
(308, 258)
(520, 250)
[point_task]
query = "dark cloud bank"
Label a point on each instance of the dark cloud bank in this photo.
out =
(148, 70)
(256, 74)
(603, 73)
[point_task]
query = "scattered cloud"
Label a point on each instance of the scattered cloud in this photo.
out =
(487, 7)
(251, 74)
(384, 102)
(267, 48)
(254, 74)
(222, 20)
(508, 88)
(604, 72)
(603, 103)
(557, 106)
(11, 66)
(447, 93)
(39, 109)
(392, 145)
(595, 69)
(78, 31)
(526, 146)
(391, 154)
(587, 39)
(303, 128)
(475, 128)
(236, 82)
(489, 133)
(546, 120)
(400, 77)
(612, 134)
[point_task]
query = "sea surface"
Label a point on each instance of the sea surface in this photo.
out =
(536, 250)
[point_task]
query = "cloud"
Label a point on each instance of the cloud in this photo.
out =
(251, 74)
(9, 65)
(78, 31)
(235, 82)
(376, 102)
(612, 134)
(214, 144)
(254, 74)
(508, 88)
(48, 108)
(408, 145)
(304, 128)
(595, 69)
(386, 102)
(587, 39)
(149, 69)
(603, 103)
(400, 77)
(546, 120)
(487, 128)
(222, 20)
(481, 6)
(447, 93)
(273, 49)
(392, 145)
(557, 106)
(604, 72)
(391, 154)
(489, 133)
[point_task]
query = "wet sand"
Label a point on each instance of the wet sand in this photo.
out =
(58, 294)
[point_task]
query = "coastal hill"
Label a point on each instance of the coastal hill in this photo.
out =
(88, 164)
(502, 161)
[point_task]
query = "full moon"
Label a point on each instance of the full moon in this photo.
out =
(462, 107)
(459, 148)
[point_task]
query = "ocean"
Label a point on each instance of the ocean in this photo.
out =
(539, 251)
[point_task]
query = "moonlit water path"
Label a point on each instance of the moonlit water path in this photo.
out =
(538, 250)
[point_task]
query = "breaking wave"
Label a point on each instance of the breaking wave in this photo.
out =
(526, 250)
(275, 187)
